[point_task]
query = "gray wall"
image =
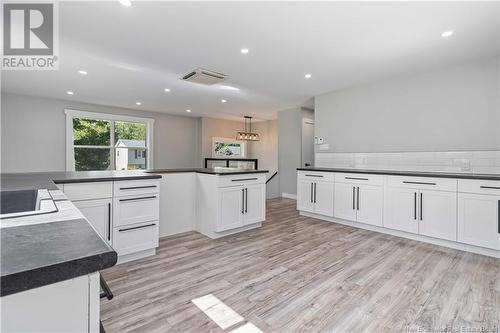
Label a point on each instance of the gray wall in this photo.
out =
(33, 134)
(289, 148)
(451, 109)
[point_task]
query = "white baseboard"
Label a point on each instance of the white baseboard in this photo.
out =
(403, 234)
(136, 255)
(289, 195)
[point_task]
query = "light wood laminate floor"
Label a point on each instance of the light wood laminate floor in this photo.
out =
(299, 274)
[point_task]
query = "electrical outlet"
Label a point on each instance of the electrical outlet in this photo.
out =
(466, 165)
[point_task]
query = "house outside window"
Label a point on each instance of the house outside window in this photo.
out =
(97, 141)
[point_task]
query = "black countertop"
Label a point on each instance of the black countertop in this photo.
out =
(210, 171)
(409, 173)
(40, 254)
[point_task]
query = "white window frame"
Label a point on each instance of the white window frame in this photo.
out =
(229, 140)
(71, 113)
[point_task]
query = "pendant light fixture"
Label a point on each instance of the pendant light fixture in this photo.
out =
(247, 134)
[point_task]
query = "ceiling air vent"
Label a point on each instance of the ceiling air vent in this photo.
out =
(204, 76)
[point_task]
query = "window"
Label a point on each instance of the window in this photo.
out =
(224, 148)
(98, 141)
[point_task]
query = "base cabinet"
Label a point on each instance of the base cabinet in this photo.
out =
(479, 220)
(359, 202)
(438, 214)
(401, 210)
(315, 196)
(99, 214)
(231, 202)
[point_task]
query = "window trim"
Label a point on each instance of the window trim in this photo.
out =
(72, 113)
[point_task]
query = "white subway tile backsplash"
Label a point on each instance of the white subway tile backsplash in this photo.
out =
(451, 161)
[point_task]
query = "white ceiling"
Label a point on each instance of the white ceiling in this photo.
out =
(133, 53)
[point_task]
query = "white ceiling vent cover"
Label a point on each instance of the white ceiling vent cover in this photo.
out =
(204, 76)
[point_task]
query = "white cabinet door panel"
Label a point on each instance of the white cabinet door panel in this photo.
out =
(135, 209)
(136, 237)
(478, 220)
(323, 197)
(305, 196)
(438, 214)
(345, 201)
(401, 209)
(255, 203)
(370, 205)
(98, 213)
(231, 201)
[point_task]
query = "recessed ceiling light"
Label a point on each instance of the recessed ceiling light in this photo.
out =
(223, 101)
(70, 93)
(138, 103)
(82, 72)
(307, 76)
(229, 88)
(447, 33)
(126, 3)
(167, 90)
(244, 51)
(188, 110)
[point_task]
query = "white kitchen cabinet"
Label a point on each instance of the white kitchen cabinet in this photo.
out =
(135, 209)
(255, 210)
(345, 201)
(231, 208)
(99, 214)
(228, 204)
(370, 204)
(135, 238)
(438, 214)
(315, 193)
(401, 209)
(479, 220)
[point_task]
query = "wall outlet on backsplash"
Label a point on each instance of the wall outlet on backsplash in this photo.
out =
(463, 164)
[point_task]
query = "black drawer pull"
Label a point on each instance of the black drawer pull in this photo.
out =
(243, 179)
(498, 216)
(141, 198)
(418, 183)
(137, 187)
(356, 178)
(319, 176)
(139, 227)
(491, 187)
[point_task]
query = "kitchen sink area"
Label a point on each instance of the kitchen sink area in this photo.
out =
(21, 203)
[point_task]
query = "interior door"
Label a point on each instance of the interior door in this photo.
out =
(438, 214)
(98, 213)
(370, 204)
(230, 208)
(255, 198)
(305, 195)
(323, 197)
(307, 143)
(401, 209)
(478, 220)
(345, 201)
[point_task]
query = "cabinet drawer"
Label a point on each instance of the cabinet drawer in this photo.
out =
(251, 178)
(136, 187)
(135, 209)
(88, 191)
(359, 178)
(425, 183)
(135, 238)
(316, 175)
(479, 186)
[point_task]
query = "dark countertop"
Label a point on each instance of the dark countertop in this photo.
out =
(409, 173)
(210, 171)
(40, 254)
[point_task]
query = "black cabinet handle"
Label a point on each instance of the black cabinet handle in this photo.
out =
(315, 192)
(141, 198)
(418, 183)
(498, 214)
(491, 187)
(357, 199)
(109, 221)
(105, 288)
(246, 200)
(243, 179)
(421, 204)
(356, 178)
(242, 201)
(311, 192)
(139, 227)
(136, 187)
(319, 176)
(415, 206)
(353, 197)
